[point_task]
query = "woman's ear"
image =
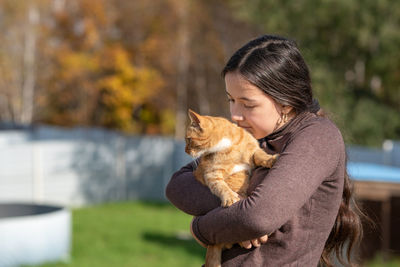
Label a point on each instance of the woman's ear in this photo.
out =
(286, 110)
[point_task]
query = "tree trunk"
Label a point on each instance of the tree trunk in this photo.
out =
(182, 69)
(28, 86)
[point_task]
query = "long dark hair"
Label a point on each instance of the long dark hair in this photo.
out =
(274, 64)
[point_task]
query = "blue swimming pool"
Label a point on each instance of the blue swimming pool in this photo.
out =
(362, 171)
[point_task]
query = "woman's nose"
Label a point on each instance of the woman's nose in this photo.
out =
(235, 116)
(235, 113)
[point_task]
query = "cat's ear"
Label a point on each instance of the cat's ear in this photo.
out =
(194, 118)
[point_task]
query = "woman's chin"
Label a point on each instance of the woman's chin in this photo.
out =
(249, 130)
(252, 132)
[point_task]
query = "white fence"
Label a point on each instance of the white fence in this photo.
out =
(83, 166)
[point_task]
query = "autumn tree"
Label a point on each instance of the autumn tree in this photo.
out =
(92, 80)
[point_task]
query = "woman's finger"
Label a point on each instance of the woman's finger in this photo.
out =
(256, 243)
(263, 239)
(246, 244)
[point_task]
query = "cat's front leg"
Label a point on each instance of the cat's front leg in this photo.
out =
(199, 175)
(218, 187)
(263, 159)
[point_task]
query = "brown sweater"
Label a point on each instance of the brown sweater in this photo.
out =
(295, 202)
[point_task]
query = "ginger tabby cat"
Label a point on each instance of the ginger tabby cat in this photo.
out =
(226, 154)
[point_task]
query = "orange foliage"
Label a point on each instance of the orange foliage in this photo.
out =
(93, 80)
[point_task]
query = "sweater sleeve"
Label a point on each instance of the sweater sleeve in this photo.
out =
(189, 195)
(311, 156)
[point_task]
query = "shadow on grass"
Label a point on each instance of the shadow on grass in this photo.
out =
(171, 240)
(155, 203)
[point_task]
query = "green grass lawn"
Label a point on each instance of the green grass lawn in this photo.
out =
(379, 261)
(140, 234)
(132, 234)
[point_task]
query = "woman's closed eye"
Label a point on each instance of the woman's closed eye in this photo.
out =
(244, 104)
(249, 106)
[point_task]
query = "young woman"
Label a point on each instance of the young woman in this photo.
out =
(303, 204)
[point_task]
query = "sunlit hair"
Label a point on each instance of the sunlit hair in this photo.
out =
(274, 64)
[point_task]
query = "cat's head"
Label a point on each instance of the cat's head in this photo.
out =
(206, 134)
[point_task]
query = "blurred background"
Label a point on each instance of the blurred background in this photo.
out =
(94, 97)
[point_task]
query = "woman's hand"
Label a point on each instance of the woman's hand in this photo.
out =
(246, 244)
(194, 236)
(255, 242)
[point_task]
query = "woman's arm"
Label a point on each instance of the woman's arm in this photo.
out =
(189, 195)
(310, 157)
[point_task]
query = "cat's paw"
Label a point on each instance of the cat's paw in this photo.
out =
(265, 160)
(271, 161)
(229, 198)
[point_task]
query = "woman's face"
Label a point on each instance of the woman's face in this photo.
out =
(250, 107)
